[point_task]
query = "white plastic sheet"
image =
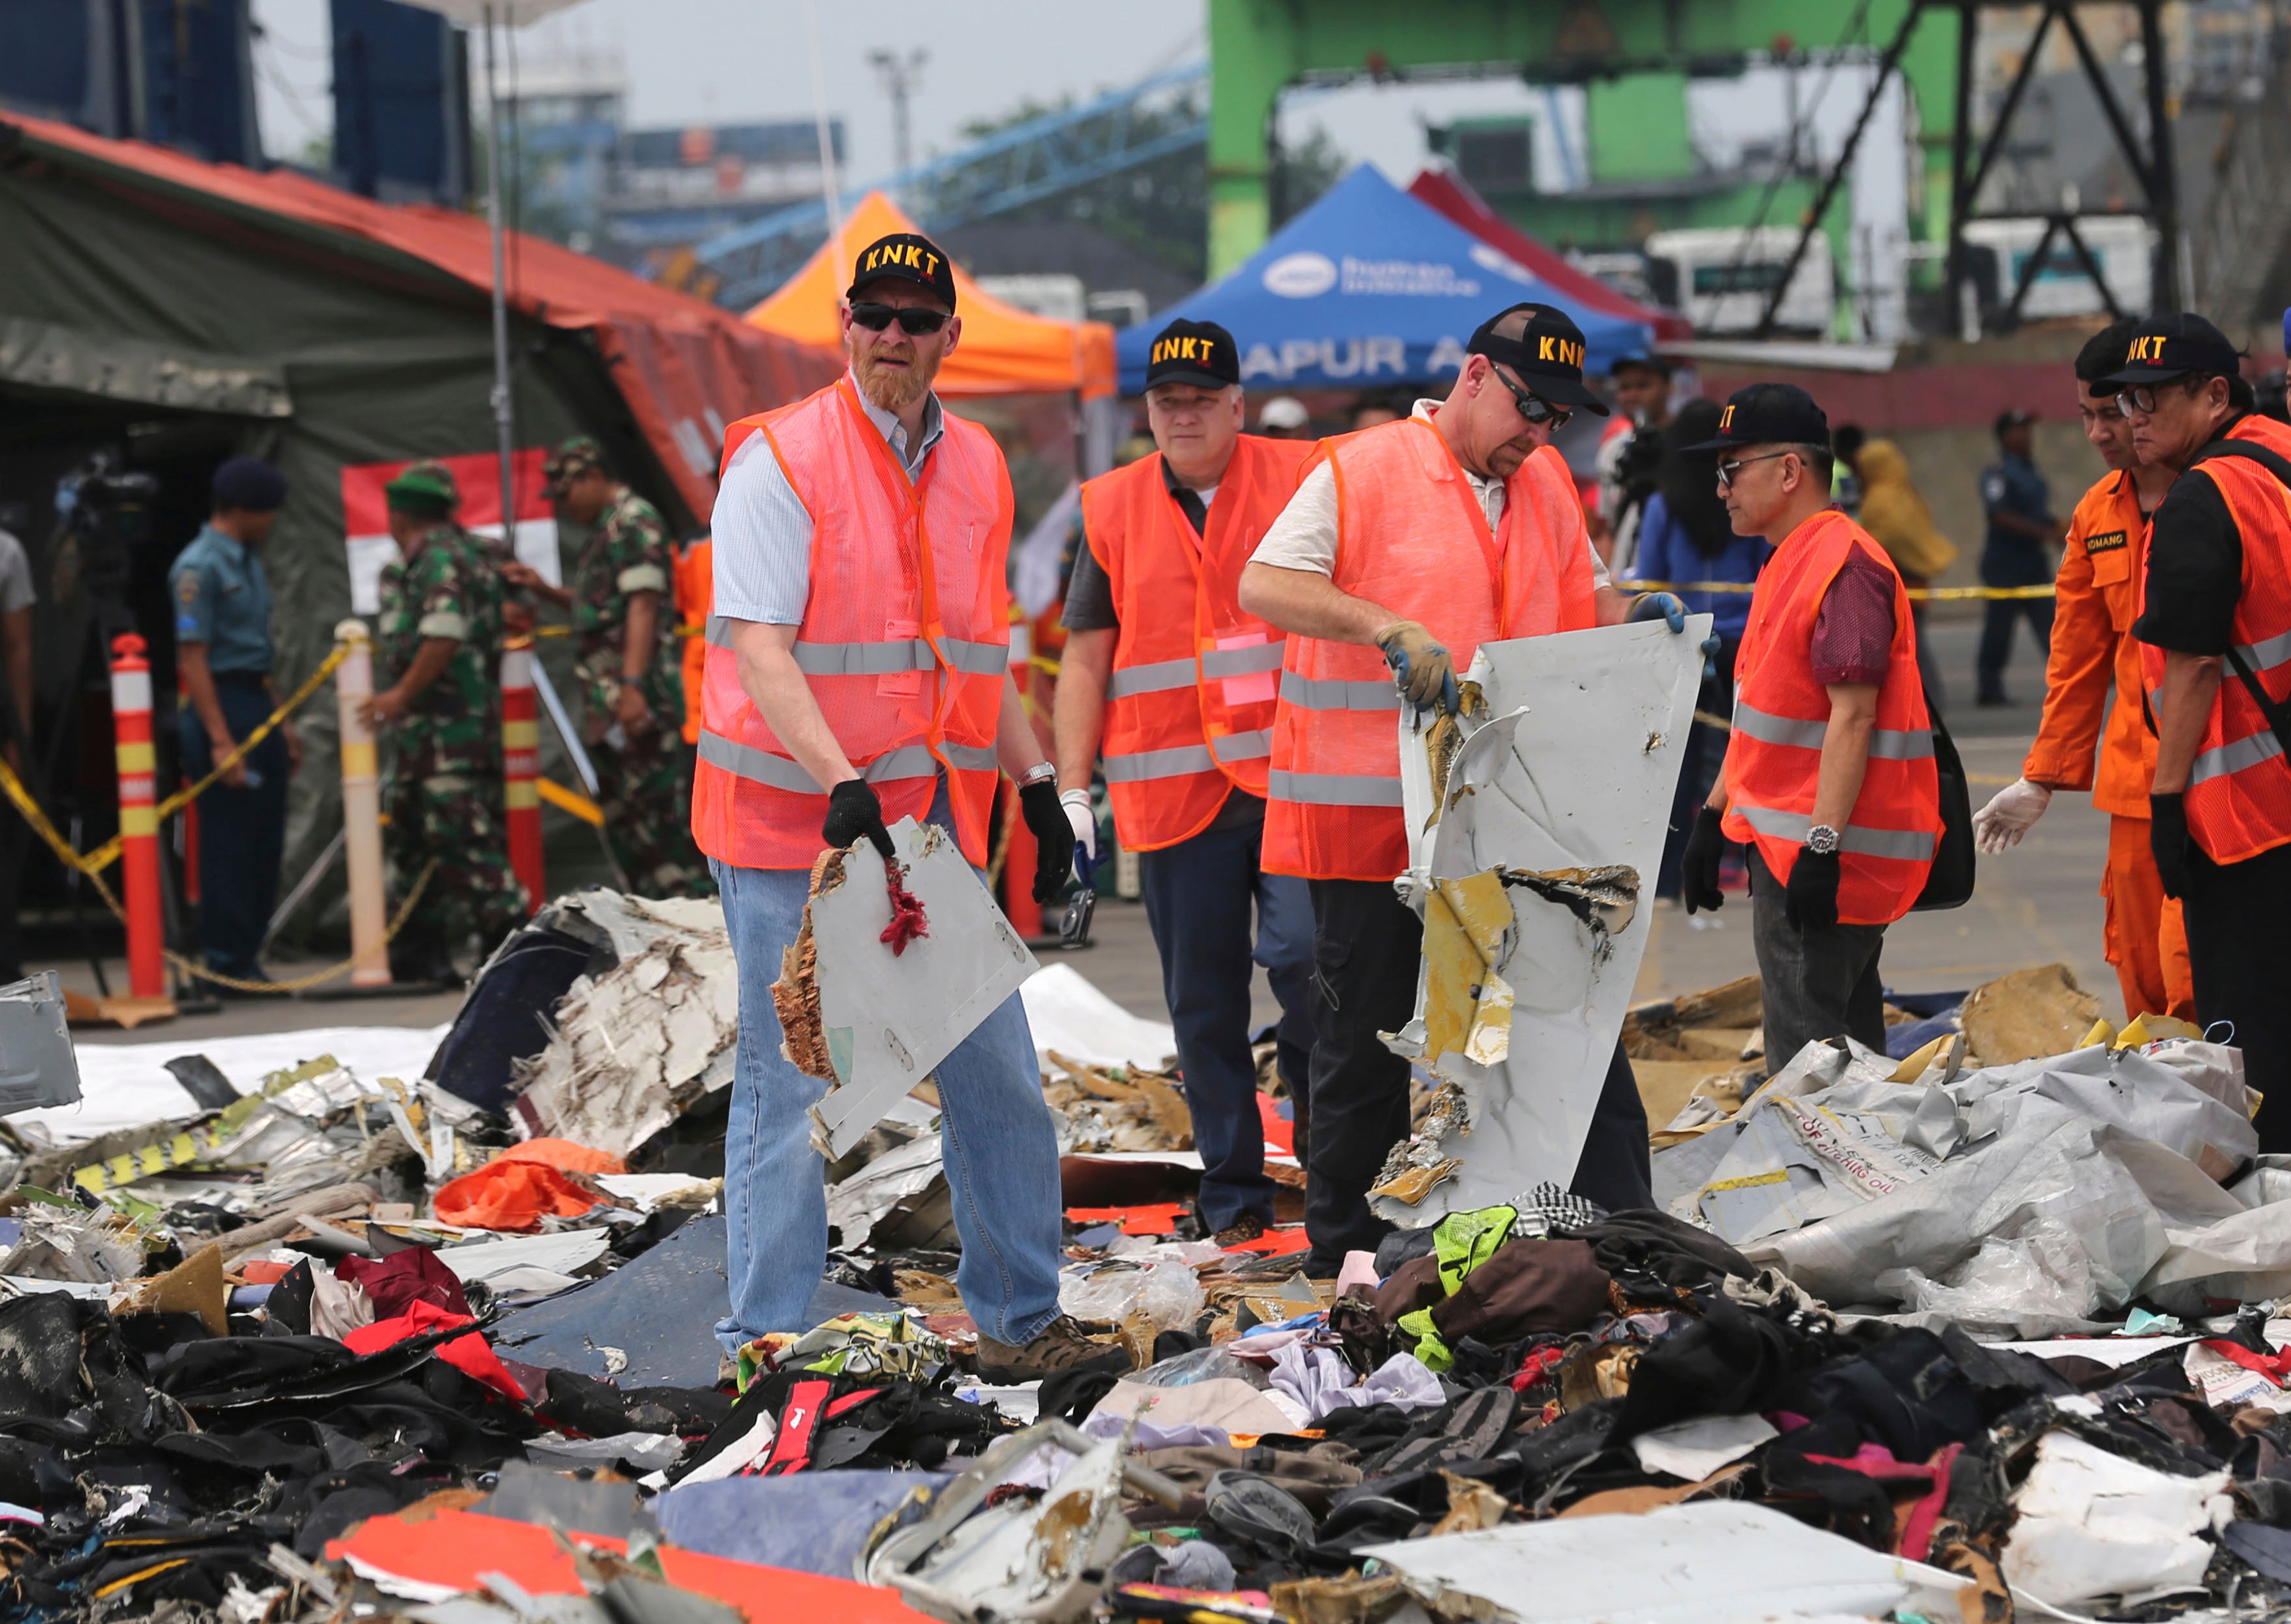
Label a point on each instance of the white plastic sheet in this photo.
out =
(2090, 1524)
(126, 1085)
(1708, 1560)
(1573, 769)
(1069, 1014)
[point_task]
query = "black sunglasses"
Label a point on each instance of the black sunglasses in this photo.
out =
(913, 319)
(1534, 408)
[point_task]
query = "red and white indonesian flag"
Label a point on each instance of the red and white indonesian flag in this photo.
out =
(478, 475)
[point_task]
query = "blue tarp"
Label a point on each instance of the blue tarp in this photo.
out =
(1367, 288)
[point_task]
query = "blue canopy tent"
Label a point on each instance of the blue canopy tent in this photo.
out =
(1368, 288)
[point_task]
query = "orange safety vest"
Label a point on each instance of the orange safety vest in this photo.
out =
(2238, 797)
(1781, 714)
(695, 590)
(1190, 700)
(904, 640)
(1412, 536)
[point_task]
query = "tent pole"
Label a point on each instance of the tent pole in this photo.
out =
(501, 416)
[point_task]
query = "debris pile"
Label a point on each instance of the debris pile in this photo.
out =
(1996, 1324)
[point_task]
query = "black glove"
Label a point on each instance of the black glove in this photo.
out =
(1705, 848)
(853, 810)
(1809, 900)
(2168, 838)
(1054, 837)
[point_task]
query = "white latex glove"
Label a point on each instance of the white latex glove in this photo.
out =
(2011, 814)
(1084, 820)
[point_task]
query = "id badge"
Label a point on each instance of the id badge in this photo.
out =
(1250, 687)
(902, 683)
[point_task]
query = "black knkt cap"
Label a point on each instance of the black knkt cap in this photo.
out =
(908, 257)
(1547, 355)
(1193, 353)
(1768, 414)
(2167, 347)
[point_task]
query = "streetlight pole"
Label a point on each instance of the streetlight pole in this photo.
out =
(901, 76)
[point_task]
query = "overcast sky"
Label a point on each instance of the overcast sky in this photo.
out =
(708, 61)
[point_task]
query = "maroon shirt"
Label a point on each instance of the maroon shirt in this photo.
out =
(1853, 632)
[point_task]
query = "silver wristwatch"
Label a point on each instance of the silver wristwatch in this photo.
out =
(1822, 840)
(1038, 772)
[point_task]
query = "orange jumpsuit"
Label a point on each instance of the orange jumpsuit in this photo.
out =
(2093, 647)
(695, 591)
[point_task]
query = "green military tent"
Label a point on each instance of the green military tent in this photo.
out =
(168, 313)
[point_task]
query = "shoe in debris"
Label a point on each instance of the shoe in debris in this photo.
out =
(1244, 1229)
(1059, 1347)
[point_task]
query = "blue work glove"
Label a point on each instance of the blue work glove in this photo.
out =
(1423, 670)
(1668, 605)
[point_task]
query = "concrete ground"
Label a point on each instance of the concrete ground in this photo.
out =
(2036, 904)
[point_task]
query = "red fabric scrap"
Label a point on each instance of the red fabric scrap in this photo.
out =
(395, 1283)
(1158, 1218)
(1276, 1242)
(1914, 1523)
(455, 1549)
(908, 919)
(1537, 1366)
(471, 1355)
(2276, 1366)
(1280, 1132)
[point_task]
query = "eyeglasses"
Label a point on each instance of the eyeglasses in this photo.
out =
(1728, 470)
(913, 320)
(1533, 407)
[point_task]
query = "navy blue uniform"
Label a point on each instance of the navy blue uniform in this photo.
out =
(2009, 559)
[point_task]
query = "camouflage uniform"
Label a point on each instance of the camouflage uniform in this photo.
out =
(444, 799)
(644, 782)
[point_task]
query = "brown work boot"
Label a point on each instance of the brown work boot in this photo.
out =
(1060, 1346)
(1244, 1229)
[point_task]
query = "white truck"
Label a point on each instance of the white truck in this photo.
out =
(2125, 244)
(1720, 278)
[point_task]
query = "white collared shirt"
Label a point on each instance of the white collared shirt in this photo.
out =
(1304, 536)
(761, 559)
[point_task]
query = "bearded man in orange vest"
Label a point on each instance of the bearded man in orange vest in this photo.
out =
(2216, 621)
(858, 670)
(1829, 776)
(1407, 546)
(1180, 682)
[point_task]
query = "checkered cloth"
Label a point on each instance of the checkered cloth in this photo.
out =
(1548, 1208)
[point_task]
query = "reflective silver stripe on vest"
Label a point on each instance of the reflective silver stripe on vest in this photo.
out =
(1241, 661)
(1333, 789)
(782, 773)
(1906, 845)
(2247, 752)
(2266, 655)
(1328, 693)
(1162, 677)
(719, 631)
(1885, 744)
(1184, 760)
(900, 655)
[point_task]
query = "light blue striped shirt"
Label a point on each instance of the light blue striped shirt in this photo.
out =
(762, 552)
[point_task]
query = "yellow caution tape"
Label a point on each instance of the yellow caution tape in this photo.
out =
(570, 800)
(1918, 594)
(146, 820)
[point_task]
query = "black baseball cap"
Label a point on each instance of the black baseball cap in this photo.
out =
(905, 256)
(2011, 417)
(2167, 347)
(1768, 414)
(1193, 353)
(1547, 355)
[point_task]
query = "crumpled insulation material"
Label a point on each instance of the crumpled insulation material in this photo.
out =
(795, 995)
(634, 1046)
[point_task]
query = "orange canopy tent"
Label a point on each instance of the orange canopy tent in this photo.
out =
(1004, 351)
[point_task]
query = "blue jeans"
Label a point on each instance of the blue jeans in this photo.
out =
(1002, 1152)
(1197, 900)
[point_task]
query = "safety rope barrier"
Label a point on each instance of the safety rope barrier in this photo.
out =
(93, 863)
(200, 972)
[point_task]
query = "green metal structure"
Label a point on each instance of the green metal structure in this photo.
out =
(1634, 58)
